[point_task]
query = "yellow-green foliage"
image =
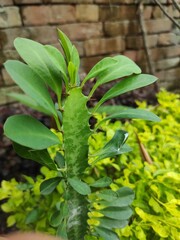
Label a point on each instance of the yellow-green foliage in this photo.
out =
(157, 186)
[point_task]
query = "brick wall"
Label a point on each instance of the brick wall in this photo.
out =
(98, 28)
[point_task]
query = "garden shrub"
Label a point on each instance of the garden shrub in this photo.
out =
(156, 206)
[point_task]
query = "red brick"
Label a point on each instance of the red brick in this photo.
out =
(159, 53)
(36, 15)
(132, 54)
(9, 17)
(158, 25)
(82, 31)
(88, 62)
(104, 46)
(6, 2)
(121, 28)
(157, 13)
(80, 47)
(147, 12)
(169, 79)
(44, 34)
(69, 1)
(87, 13)
(166, 39)
(118, 12)
(21, 2)
(115, 1)
(137, 42)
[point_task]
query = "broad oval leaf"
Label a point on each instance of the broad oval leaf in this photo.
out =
(126, 85)
(40, 156)
(41, 61)
(31, 84)
(56, 219)
(102, 182)
(48, 186)
(32, 216)
(79, 186)
(119, 213)
(125, 196)
(28, 101)
(27, 131)
(106, 234)
(112, 223)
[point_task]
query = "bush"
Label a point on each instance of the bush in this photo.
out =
(154, 176)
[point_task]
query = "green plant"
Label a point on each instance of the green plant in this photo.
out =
(45, 67)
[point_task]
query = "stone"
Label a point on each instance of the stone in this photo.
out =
(158, 25)
(7, 79)
(45, 14)
(87, 13)
(123, 12)
(165, 39)
(82, 31)
(104, 46)
(22, 2)
(137, 42)
(167, 63)
(6, 2)
(43, 34)
(121, 28)
(4, 98)
(9, 17)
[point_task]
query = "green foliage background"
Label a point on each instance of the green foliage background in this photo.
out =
(157, 203)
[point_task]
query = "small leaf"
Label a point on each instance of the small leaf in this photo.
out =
(59, 159)
(111, 223)
(66, 44)
(56, 219)
(79, 186)
(32, 216)
(113, 147)
(102, 182)
(61, 231)
(49, 185)
(108, 195)
(27, 131)
(119, 213)
(106, 234)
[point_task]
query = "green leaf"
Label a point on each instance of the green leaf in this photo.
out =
(28, 101)
(135, 114)
(111, 223)
(66, 45)
(29, 132)
(48, 186)
(40, 156)
(79, 186)
(126, 85)
(72, 70)
(113, 147)
(59, 159)
(61, 231)
(41, 61)
(106, 234)
(31, 84)
(108, 195)
(56, 219)
(118, 213)
(32, 216)
(102, 182)
(125, 196)
(109, 69)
